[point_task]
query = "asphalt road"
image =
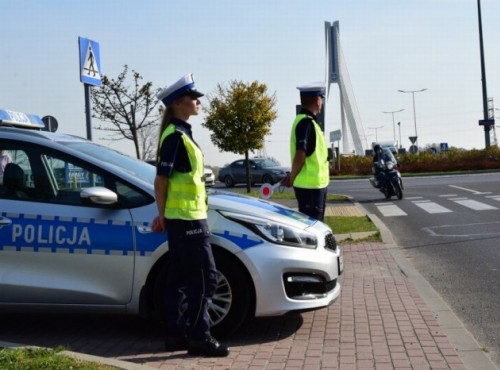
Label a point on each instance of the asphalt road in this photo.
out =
(449, 228)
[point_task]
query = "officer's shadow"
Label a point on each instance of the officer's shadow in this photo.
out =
(125, 337)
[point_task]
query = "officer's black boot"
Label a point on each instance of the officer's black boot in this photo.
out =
(208, 347)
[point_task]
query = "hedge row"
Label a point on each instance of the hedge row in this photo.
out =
(425, 161)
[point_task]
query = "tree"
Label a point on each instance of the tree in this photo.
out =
(239, 116)
(131, 110)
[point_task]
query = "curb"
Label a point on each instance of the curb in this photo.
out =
(469, 350)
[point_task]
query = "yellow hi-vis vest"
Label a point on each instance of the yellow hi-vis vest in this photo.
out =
(186, 194)
(315, 173)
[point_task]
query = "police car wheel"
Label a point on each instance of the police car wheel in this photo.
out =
(233, 297)
(228, 181)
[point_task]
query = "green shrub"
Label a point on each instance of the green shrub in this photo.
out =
(425, 161)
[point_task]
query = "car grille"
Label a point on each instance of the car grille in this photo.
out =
(330, 242)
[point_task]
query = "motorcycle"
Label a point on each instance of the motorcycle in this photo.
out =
(386, 177)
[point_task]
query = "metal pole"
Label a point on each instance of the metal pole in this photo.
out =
(393, 125)
(487, 128)
(399, 127)
(414, 116)
(376, 133)
(87, 111)
(414, 111)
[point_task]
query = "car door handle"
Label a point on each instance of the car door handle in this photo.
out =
(4, 221)
(144, 229)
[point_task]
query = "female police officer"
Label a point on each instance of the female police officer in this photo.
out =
(182, 206)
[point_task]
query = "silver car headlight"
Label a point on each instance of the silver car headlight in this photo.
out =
(275, 232)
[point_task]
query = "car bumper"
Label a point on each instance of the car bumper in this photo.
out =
(296, 280)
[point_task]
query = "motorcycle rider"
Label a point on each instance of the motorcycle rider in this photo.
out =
(377, 165)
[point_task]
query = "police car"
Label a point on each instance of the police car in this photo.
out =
(75, 235)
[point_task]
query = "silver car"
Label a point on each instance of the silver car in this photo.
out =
(75, 235)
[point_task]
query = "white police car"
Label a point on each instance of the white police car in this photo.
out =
(75, 235)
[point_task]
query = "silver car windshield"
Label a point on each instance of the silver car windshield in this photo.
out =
(133, 166)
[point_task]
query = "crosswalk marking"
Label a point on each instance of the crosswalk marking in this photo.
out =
(391, 210)
(474, 204)
(432, 207)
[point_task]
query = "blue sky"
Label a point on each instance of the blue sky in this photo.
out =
(388, 45)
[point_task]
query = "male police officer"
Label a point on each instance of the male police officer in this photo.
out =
(310, 170)
(182, 206)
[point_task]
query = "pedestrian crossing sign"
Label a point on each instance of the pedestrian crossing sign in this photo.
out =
(90, 62)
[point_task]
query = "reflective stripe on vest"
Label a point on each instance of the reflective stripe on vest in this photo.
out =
(315, 173)
(186, 194)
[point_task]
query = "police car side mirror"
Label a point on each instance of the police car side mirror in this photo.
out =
(98, 195)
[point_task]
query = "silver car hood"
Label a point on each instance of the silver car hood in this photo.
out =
(219, 200)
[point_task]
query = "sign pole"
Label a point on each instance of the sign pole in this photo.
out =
(88, 115)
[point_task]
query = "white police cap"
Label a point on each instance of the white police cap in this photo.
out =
(312, 89)
(184, 86)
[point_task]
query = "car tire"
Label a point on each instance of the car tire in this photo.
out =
(233, 297)
(231, 302)
(267, 179)
(228, 181)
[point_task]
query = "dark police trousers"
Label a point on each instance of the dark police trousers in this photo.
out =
(192, 279)
(312, 202)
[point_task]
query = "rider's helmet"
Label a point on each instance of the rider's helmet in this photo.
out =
(376, 148)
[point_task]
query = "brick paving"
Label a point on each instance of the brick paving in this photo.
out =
(379, 322)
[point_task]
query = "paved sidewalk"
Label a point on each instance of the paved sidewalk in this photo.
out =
(380, 321)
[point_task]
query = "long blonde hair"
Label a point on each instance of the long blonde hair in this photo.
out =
(168, 115)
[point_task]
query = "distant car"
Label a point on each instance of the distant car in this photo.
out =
(262, 170)
(209, 174)
(209, 177)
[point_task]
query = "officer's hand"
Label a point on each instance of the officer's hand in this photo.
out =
(287, 181)
(159, 225)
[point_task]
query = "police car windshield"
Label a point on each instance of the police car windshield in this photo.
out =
(126, 163)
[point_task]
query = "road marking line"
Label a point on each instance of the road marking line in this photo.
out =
(494, 197)
(431, 207)
(470, 190)
(391, 210)
(475, 205)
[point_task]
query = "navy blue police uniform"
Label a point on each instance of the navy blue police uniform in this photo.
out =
(310, 201)
(191, 274)
(192, 271)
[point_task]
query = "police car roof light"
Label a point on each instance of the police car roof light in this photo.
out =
(19, 119)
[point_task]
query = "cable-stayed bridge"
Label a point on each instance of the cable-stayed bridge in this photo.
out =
(336, 73)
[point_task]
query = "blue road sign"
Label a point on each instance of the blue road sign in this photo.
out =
(443, 147)
(90, 62)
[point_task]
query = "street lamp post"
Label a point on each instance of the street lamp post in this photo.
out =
(393, 125)
(399, 127)
(414, 112)
(487, 128)
(376, 134)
